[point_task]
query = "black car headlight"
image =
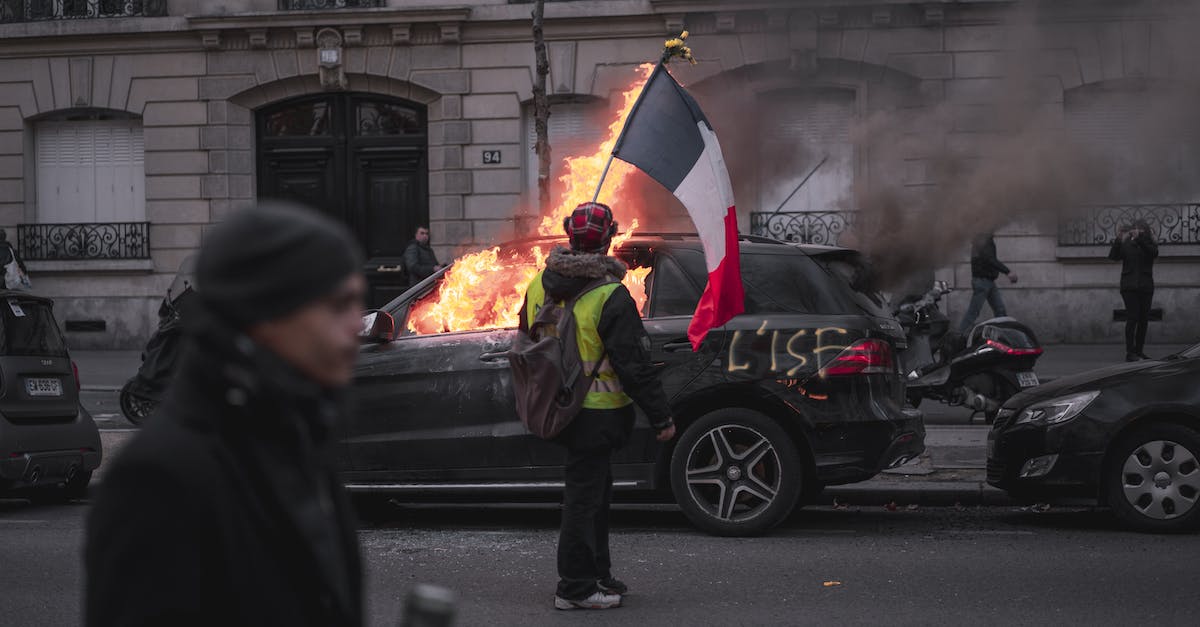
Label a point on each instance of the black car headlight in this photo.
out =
(1057, 410)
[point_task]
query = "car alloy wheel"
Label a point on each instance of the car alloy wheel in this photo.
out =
(736, 472)
(733, 472)
(1152, 478)
(1161, 479)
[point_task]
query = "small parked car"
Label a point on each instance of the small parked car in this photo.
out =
(1127, 436)
(800, 392)
(49, 444)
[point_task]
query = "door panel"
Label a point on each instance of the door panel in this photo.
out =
(430, 408)
(308, 177)
(387, 213)
(361, 159)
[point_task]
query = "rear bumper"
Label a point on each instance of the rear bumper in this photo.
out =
(41, 454)
(856, 451)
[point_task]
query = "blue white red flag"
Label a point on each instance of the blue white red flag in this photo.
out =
(667, 137)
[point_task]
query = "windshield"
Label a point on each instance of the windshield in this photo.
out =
(30, 330)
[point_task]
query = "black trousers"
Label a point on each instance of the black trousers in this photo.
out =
(1137, 311)
(583, 553)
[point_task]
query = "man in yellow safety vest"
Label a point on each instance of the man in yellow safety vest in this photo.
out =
(609, 332)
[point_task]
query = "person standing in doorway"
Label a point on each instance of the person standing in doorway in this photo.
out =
(419, 258)
(985, 269)
(1136, 249)
(610, 333)
(226, 509)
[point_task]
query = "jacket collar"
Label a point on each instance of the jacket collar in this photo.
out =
(574, 264)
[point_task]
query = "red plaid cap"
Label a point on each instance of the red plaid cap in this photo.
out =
(590, 227)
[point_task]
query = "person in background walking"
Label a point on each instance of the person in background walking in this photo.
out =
(985, 269)
(610, 332)
(1136, 249)
(419, 259)
(225, 509)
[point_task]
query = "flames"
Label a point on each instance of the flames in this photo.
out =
(484, 290)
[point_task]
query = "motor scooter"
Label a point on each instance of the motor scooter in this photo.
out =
(144, 391)
(981, 370)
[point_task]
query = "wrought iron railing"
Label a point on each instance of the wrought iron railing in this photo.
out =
(72, 242)
(1169, 224)
(36, 10)
(316, 5)
(805, 227)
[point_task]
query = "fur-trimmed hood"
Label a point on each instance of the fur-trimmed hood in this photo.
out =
(570, 263)
(568, 271)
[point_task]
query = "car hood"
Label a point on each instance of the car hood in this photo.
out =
(1100, 378)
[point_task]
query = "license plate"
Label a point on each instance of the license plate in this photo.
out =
(1027, 379)
(43, 387)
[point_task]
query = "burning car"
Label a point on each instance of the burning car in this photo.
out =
(799, 392)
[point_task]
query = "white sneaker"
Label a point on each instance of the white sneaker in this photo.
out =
(598, 601)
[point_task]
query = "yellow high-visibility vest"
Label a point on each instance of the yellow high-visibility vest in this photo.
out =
(606, 391)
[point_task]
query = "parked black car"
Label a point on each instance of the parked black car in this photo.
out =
(800, 392)
(1126, 436)
(49, 444)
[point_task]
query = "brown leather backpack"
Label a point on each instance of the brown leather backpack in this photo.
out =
(549, 382)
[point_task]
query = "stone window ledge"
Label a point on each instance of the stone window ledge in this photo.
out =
(1084, 253)
(106, 266)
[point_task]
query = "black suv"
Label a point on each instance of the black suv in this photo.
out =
(800, 392)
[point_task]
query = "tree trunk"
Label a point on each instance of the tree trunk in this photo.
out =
(541, 109)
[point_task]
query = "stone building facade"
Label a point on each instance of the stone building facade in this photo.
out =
(127, 128)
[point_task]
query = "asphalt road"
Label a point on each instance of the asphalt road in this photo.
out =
(925, 566)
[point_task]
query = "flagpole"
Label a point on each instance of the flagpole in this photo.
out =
(613, 153)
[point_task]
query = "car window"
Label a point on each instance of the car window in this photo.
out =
(792, 283)
(672, 293)
(30, 330)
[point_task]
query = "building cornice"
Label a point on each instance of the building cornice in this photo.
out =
(340, 17)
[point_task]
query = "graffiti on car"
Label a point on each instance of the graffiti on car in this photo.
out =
(790, 351)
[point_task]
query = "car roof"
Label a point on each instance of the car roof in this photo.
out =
(25, 296)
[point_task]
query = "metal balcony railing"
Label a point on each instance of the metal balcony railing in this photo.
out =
(75, 242)
(1171, 224)
(805, 227)
(37, 10)
(318, 5)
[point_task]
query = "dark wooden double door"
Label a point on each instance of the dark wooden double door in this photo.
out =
(359, 158)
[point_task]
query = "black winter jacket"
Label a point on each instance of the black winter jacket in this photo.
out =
(984, 263)
(225, 509)
(419, 261)
(626, 343)
(1137, 262)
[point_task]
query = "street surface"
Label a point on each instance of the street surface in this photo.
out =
(996, 563)
(989, 565)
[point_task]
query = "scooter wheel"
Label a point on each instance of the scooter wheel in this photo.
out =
(136, 408)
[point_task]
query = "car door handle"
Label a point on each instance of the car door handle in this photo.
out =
(390, 269)
(674, 347)
(496, 356)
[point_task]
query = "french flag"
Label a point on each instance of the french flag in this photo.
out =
(667, 137)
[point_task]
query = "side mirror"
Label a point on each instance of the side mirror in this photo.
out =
(378, 327)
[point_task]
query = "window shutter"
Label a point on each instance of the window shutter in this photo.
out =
(576, 129)
(90, 171)
(798, 130)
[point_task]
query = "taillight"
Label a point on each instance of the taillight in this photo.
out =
(1008, 350)
(862, 357)
(75, 371)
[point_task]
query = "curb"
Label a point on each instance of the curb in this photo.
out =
(100, 388)
(926, 493)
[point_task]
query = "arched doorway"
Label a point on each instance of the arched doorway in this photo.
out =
(361, 158)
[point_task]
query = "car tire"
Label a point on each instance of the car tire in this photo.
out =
(736, 472)
(1152, 481)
